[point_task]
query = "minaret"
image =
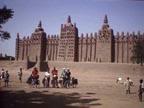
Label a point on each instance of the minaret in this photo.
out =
(68, 42)
(106, 41)
(39, 37)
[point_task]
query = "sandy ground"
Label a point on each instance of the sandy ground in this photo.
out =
(97, 87)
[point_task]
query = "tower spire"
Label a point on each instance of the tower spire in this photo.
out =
(39, 28)
(40, 24)
(17, 35)
(105, 24)
(106, 19)
(69, 19)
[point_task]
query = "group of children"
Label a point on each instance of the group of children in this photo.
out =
(4, 75)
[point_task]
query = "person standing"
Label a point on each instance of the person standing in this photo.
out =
(47, 78)
(0, 77)
(127, 84)
(6, 79)
(63, 75)
(55, 77)
(2, 74)
(20, 73)
(141, 89)
(34, 73)
(35, 77)
(68, 77)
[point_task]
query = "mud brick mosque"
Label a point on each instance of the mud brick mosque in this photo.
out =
(69, 46)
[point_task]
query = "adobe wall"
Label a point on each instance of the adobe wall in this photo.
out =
(124, 46)
(103, 46)
(52, 47)
(87, 47)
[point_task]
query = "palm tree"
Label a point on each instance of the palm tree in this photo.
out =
(5, 15)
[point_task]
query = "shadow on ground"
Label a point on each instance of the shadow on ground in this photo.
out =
(35, 99)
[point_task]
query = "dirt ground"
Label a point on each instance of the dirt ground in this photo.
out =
(97, 87)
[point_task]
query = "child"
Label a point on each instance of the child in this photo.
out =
(20, 75)
(2, 73)
(6, 78)
(141, 89)
(46, 79)
(128, 84)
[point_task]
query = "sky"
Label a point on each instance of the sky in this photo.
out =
(123, 16)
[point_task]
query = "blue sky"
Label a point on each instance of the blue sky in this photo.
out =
(123, 15)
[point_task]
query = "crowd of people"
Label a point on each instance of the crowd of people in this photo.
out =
(51, 79)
